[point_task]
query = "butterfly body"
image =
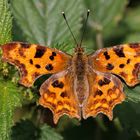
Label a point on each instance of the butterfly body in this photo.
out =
(81, 85)
(80, 68)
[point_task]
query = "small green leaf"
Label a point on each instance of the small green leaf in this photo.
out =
(48, 133)
(42, 21)
(9, 99)
(133, 94)
(5, 22)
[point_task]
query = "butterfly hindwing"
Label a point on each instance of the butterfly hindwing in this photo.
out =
(122, 60)
(105, 91)
(57, 94)
(34, 60)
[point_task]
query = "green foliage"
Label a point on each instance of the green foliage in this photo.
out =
(104, 18)
(47, 133)
(9, 93)
(5, 22)
(130, 119)
(133, 93)
(9, 99)
(111, 22)
(132, 23)
(105, 12)
(42, 22)
(27, 128)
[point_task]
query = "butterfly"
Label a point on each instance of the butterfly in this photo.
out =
(81, 85)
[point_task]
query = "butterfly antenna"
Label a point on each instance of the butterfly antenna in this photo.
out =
(69, 28)
(85, 25)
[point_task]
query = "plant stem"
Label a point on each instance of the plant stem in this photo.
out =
(99, 40)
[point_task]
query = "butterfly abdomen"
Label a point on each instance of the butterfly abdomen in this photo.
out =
(80, 83)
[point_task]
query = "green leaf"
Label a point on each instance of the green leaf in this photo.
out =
(66, 122)
(129, 114)
(5, 22)
(103, 20)
(132, 19)
(133, 93)
(24, 130)
(48, 133)
(106, 12)
(9, 95)
(9, 99)
(42, 22)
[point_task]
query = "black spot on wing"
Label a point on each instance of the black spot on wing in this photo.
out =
(63, 94)
(109, 66)
(105, 81)
(122, 65)
(119, 51)
(31, 61)
(39, 52)
(57, 84)
(49, 67)
(107, 57)
(128, 61)
(98, 92)
(53, 53)
(24, 45)
(37, 66)
(51, 57)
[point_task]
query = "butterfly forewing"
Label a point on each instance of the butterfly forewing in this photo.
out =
(34, 60)
(122, 60)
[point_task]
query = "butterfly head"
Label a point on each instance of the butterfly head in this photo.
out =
(79, 49)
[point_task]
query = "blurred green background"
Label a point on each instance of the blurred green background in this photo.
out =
(111, 22)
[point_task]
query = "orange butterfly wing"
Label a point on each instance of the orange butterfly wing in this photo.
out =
(34, 60)
(122, 60)
(105, 91)
(57, 94)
